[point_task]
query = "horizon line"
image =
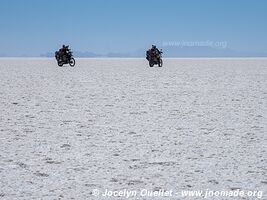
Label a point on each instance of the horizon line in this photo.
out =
(196, 57)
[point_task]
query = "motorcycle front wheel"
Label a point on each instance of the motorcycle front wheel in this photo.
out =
(160, 62)
(72, 62)
(60, 64)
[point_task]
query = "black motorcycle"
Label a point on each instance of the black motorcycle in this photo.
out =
(64, 58)
(155, 58)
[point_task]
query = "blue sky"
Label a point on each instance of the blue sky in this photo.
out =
(32, 27)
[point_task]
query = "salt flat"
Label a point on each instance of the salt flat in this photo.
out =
(118, 124)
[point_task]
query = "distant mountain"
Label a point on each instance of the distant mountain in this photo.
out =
(87, 54)
(168, 51)
(207, 52)
(49, 54)
(135, 54)
(77, 54)
(3, 55)
(116, 55)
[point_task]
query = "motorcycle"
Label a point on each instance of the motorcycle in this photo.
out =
(66, 58)
(155, 59)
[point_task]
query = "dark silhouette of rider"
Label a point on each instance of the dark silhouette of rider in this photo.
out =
(63, 52)
(155, 50)
(64, 49)
(152, 52)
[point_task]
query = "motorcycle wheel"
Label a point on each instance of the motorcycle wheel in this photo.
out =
(60, 64)
(151, 64)
(160, 62)
(72, 62)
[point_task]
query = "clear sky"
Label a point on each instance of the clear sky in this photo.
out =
(32, 27)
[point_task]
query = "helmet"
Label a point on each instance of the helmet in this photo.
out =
(154, 47)
(63, 46)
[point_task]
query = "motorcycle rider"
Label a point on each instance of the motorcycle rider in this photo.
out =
(63, 52)
(152, 52)
(64, 49)
(155, 50)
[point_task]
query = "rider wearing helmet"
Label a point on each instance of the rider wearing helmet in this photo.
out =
(155, 50)
(63, 52)
(64, 49)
